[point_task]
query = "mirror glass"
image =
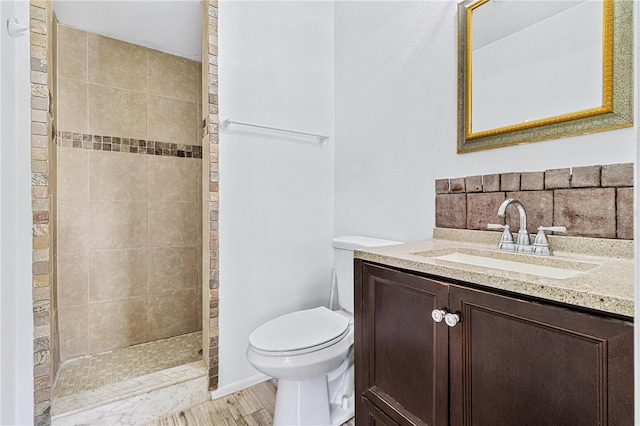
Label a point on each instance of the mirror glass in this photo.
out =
(515, 80)
(531, 70)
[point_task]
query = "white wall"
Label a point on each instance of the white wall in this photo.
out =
(396, 108)
(16, 318)
(276, 190)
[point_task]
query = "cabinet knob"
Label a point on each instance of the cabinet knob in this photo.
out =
(438, 315)
(451, 319)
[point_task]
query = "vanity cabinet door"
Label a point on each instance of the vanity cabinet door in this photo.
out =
(401, 353)
(514, 362)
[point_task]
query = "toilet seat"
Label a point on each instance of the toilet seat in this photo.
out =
(300, 332)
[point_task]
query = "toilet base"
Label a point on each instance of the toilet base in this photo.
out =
(302, 402)
(324, 400)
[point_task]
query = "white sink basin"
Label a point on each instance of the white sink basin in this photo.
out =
(509, 265)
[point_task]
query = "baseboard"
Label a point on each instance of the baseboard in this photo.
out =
(239, 385)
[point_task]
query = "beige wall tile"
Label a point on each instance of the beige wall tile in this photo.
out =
(73, 331)
(172, 313)
(115, 112)
(116, 63)
(116, 176)
(173, 77)
(173, 179)
(199, 83)
(73, 279)
(73, 174)
(73, 226)
(118, 224)
(199, 125)
(173, 268)
(72, 105)
(117, 274)
(117, 323)
(72, 53)
(172, 120)
(173, 224)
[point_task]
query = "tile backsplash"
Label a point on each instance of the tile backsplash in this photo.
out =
(590, 201)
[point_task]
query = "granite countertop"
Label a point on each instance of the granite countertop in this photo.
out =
(605, 281)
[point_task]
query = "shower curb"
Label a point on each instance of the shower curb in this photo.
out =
(137, 400)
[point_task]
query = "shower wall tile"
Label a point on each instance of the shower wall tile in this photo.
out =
(72, 53)
(73, 226)
(172, 120)
(174, 179)
(172, 313)
(173, 223)
(198, 94)
(173, 268)
(116, 63)
(118, 224)
(129, 224)
(73, 331)
(73, 271)
(172, 77)
(117, 323)
(73, 117)
(115, 176)
(117, 274)
(117, 112)
(73, 181)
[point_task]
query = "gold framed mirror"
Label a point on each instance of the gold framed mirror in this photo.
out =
(531, 70)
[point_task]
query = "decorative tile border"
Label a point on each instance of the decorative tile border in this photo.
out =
(131, 145)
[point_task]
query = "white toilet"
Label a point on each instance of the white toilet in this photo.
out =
(310, 352)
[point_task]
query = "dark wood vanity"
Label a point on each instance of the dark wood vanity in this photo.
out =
(509, 361)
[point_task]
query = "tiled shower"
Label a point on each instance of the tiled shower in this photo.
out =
(129, 163)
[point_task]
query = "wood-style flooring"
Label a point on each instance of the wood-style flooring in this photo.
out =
(250, 407)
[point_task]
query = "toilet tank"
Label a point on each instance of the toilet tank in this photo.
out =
(343, 248)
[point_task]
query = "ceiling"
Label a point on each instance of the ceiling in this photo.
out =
(172, 26)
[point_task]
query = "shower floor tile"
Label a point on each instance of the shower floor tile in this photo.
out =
(92, 372)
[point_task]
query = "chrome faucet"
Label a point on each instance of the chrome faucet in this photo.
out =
(523, 244)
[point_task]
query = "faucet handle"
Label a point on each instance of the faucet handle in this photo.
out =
(541, 244)
(496, 226)
(506, 239)
(541, 238)
(552, 228)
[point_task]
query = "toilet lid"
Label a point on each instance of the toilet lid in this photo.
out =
(299, 330)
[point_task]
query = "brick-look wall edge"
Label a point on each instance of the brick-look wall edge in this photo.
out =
(40, 26)
(211, 132)
(591, 201)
